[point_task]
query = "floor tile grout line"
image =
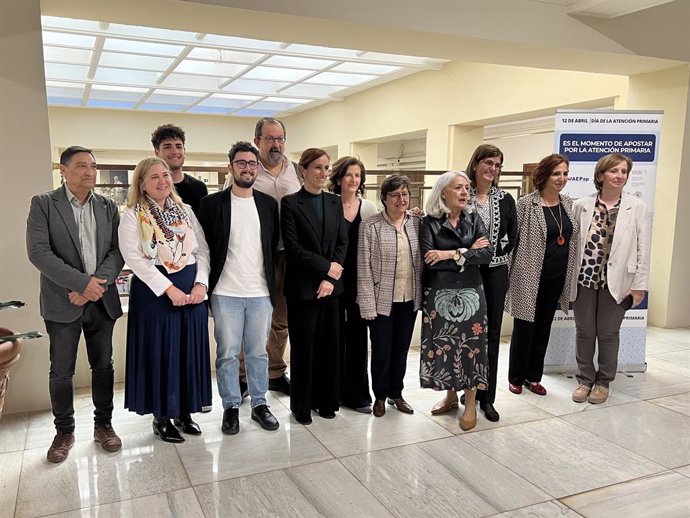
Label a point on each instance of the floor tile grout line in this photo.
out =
(365, 487)
(618, 445)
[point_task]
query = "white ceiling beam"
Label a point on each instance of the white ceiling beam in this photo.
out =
(609, 9)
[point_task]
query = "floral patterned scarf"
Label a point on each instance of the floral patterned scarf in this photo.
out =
(165, 233)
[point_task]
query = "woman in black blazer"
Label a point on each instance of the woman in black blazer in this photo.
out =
(315, 239)
(454, 243)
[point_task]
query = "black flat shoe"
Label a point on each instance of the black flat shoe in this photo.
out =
(262, 415)
(231, 421)
(489, 412)
(166, 431)
(187, 425)
(326, 414)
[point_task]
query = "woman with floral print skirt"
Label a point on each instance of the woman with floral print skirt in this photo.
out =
(454, 324)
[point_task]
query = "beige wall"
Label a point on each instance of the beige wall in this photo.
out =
(667, 90)
(126, 136)
(24, 147)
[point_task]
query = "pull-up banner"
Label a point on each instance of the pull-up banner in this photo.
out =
(584, 137)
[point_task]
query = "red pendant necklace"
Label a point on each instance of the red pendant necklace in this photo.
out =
(560, 240)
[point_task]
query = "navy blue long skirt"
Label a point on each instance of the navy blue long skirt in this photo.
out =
(168, 370)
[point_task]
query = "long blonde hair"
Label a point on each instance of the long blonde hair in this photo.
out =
(136, 192)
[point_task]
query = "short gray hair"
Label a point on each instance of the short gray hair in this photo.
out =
(436, 206)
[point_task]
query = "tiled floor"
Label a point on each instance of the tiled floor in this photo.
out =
(546, 457)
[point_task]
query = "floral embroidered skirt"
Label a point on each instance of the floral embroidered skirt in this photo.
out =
(454, 339)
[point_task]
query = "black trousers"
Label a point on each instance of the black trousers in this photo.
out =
(390, 341)
(354, 358)
(64, 342)
(495, 282)
(314, 351)
(530, 339)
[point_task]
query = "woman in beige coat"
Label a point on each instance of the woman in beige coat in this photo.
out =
(613, 260)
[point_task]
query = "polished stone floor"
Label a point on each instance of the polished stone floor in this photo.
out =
(546, 457)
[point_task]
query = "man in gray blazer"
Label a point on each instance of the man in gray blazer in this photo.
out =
(71, 237)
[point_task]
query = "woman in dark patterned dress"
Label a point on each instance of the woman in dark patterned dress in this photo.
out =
(454, 243)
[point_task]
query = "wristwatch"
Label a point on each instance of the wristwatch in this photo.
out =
(456, 256)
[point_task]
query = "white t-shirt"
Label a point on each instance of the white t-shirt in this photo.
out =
(243, 272)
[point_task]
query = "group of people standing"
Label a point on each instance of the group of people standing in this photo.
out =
(275, 246)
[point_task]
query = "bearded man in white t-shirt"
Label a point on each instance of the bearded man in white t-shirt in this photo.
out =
(242, 231)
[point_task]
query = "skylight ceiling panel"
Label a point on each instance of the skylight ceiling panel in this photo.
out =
(313, 50)
(53, 22)
(58, 71)
(228, 101)
(63, 39)
(134, 61)
(71, 92)
(192, 82)
(288, 75)
(335, 78)
(209, 110)
(67, 55)
(255, 87)
(63, 101)
(142, 47)
(175, 97)
(249, 112)
(296, 62)
(240, 43)
(277, 106)
(365, 68)
(139, 32)
(225, 56)
(209, 68)
(293, 100)
(115, 105)
(163, 107)
(124, 94)
(317, 91)
(125, 77)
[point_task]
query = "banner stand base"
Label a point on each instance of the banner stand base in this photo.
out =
(572, 369)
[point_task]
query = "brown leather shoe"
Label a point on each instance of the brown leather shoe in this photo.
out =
(468, 423)
(379, 409)
(444, 406)
(59, 450)
(106, 436)
(401, 405)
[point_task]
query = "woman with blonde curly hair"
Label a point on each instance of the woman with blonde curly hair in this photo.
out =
(454, 243)
(168, 372)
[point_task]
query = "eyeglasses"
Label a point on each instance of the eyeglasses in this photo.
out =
(273, 140)
(399, 195)
(252, 164)
(491, 164)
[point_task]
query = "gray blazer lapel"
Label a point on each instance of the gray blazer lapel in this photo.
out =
(65, 210)
(100, 214)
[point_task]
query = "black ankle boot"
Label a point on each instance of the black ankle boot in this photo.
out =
(187, 425)
(165, 429)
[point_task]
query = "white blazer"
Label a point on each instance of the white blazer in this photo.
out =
(628, 266)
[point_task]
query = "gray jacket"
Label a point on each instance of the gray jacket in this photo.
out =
(52, 244)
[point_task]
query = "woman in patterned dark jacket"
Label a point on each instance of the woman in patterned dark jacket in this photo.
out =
(540, 275)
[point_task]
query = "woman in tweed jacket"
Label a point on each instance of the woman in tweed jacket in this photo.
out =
(389, 291)
(540, 275)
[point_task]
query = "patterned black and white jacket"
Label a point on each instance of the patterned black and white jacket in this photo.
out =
(528, 257)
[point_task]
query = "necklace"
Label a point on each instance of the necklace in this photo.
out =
(560, 240)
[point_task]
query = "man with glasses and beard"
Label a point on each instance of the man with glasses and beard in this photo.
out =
(242, 229)
(276, 176)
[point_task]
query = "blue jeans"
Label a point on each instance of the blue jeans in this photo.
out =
(241, 321)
